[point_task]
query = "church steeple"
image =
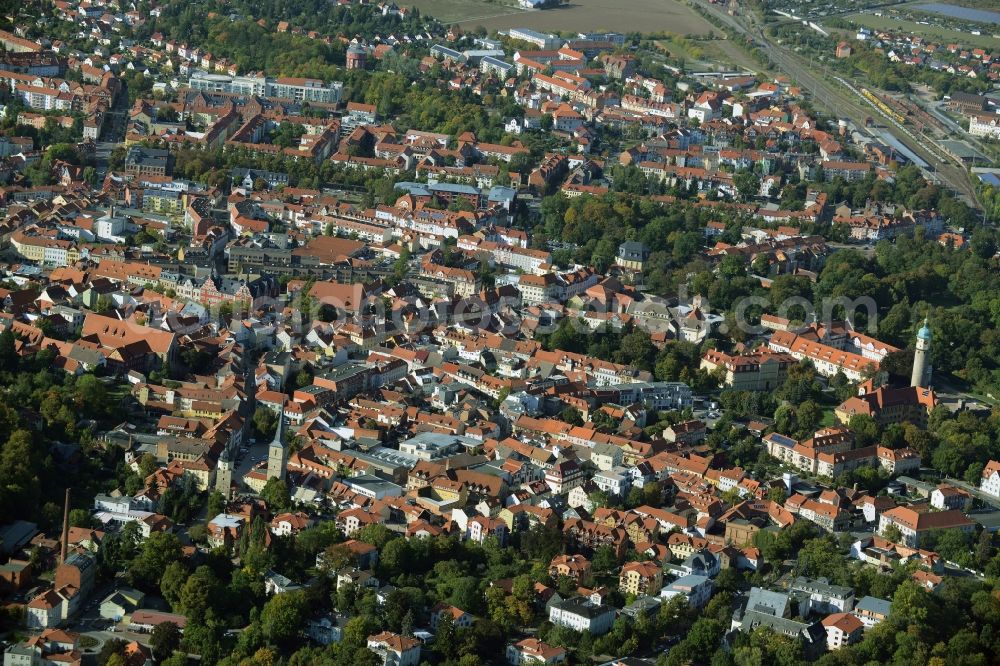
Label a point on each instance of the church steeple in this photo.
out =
(277, 453)
(224, 474)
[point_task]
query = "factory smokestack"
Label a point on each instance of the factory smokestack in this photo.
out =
(64, 549)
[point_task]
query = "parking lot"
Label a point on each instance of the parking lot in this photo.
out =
(252, 453)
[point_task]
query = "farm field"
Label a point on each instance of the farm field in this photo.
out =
(985, 40)
(578, 15)
(459, 11)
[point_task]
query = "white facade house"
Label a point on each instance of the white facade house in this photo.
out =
(696, 589)
(327, 629)
(990, 483)
(824, 597)
(842, 629)
(614, 482)
(872, 611)
(534, 651)
(110, 228)
(946, 497)
(395, 650)
(606, 456)
(581, 614)
(299, 89)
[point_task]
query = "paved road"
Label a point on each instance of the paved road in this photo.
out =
(950, 393)
(975, 492)
(840, 100)
(92, 625)
(867, 249)
(112, 135)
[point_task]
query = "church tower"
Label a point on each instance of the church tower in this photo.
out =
(224, 474)
(277, 453)
(921, 362)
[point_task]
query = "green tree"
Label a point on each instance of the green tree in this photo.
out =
(275, 493)
(199, 593)
(148, 464)
(216, 504)
(604, 560)
(572, 416)
(265, 422)
(111, 647)
(699, 644)
(911, 604)
(8, 351)
(115, 659)
(892, 533)
(20, 485)
(172, 583)
(865, 429)
(176, 659)
(821, 557)
(158, 551)
(90, 396)
(282, 617)
(747, 184)
(166, 638)
(445, 642)
(80, 518)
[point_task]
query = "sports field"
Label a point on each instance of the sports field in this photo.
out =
(578, 15)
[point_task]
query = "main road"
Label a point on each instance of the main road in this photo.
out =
(840, 100)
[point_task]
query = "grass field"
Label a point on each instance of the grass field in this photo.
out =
(578, 15)
(985, 41)
(717, 54)
(726, 50)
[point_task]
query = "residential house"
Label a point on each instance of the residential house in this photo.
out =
(582, 614)
(637, 578)
(395, 650)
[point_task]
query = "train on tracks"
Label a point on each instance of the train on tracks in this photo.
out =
(882, 106)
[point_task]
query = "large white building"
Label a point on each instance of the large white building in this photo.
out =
(656, 395)
(822, 597)
(615, 482)
(582, 614)
(828, 360)
(913, 524)
(540, 39)
(697, 589)
(985, 124)
(296, 88)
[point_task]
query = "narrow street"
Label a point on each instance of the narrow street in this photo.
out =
(112, 134)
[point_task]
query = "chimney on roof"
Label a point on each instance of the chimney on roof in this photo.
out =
(64, 549)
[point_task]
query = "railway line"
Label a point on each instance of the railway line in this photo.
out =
(897, 119)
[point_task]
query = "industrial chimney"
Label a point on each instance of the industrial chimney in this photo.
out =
(64, 550)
